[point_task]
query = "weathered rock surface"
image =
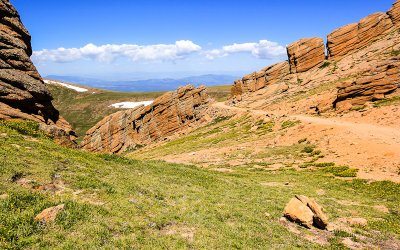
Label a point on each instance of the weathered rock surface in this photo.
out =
(306, 212)
(306, 54)
(49, 214)
(298, 212)
(23, 94)
(168, 114)
(372, 85)
(354, 36)
(394, 13)
(258, 80)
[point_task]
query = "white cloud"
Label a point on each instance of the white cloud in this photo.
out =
(264, 50)
(108, 53)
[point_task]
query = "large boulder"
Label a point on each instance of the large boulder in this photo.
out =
(306, 212)
(352, 37)
(374, 84)
(23, 94)
(394, 13)
(168, 114)
(306, 54)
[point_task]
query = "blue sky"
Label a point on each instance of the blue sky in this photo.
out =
(141, 39)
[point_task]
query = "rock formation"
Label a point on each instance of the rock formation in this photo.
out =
(394, 13)
(23, 94)
(375, 79)
(354, 36)
(258, 80)
(372, 85)
(306, 54)
(306, 212)
(168, 114)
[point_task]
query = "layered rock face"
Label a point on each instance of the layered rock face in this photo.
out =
(394, 13)
(258, 80)
(168, 114)
(23, 94)
(372, 85)
(306, 54)
(354, 36)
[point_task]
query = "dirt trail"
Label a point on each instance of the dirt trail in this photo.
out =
(389, 134)
(372, 148)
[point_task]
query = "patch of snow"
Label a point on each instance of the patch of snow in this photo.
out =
(77, 89)
(130, 105)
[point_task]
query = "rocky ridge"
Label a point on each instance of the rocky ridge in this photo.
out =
(23, 94)
(308, 64)
(167, 115)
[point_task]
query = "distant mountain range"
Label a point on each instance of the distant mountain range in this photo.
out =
(149, 85)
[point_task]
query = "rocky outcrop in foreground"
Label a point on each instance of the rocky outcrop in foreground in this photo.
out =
(168, 114)
(306, 212)
(23, 94)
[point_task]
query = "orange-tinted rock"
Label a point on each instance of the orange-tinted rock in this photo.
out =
(168, 114)
(306, 54)
(298, 212)
(260, 79)
(354, 36)
(23, 94)
(394, 13)
(306, 212)
(373, 85)
(49, 214)
(276, 72)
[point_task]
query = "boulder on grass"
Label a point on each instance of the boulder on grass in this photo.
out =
(306, 212)
(49, 214)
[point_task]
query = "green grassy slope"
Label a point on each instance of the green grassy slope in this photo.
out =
(116, 202)
(84, 109)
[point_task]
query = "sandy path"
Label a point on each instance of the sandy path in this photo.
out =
(372, 148)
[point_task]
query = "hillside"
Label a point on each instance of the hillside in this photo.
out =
(116, 202)
(226, 167)
(84, 109)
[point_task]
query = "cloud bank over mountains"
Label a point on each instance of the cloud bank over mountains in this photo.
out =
(264, 49)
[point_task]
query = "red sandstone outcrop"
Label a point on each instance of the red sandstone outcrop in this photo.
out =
(23, 94)
(354, 36)
(258, 80)
(168, 114)
(372, 85)
(306, 54)
(394, 13)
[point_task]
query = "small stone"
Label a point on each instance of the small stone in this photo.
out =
(3, 196)
(132, 201)
(330, 227)
(16, 145)
(267, 214)
(192, 153)
(48, 187)
(3, 134)
(320, 192)
(49, 214)
(282, 220)
(357, 222)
